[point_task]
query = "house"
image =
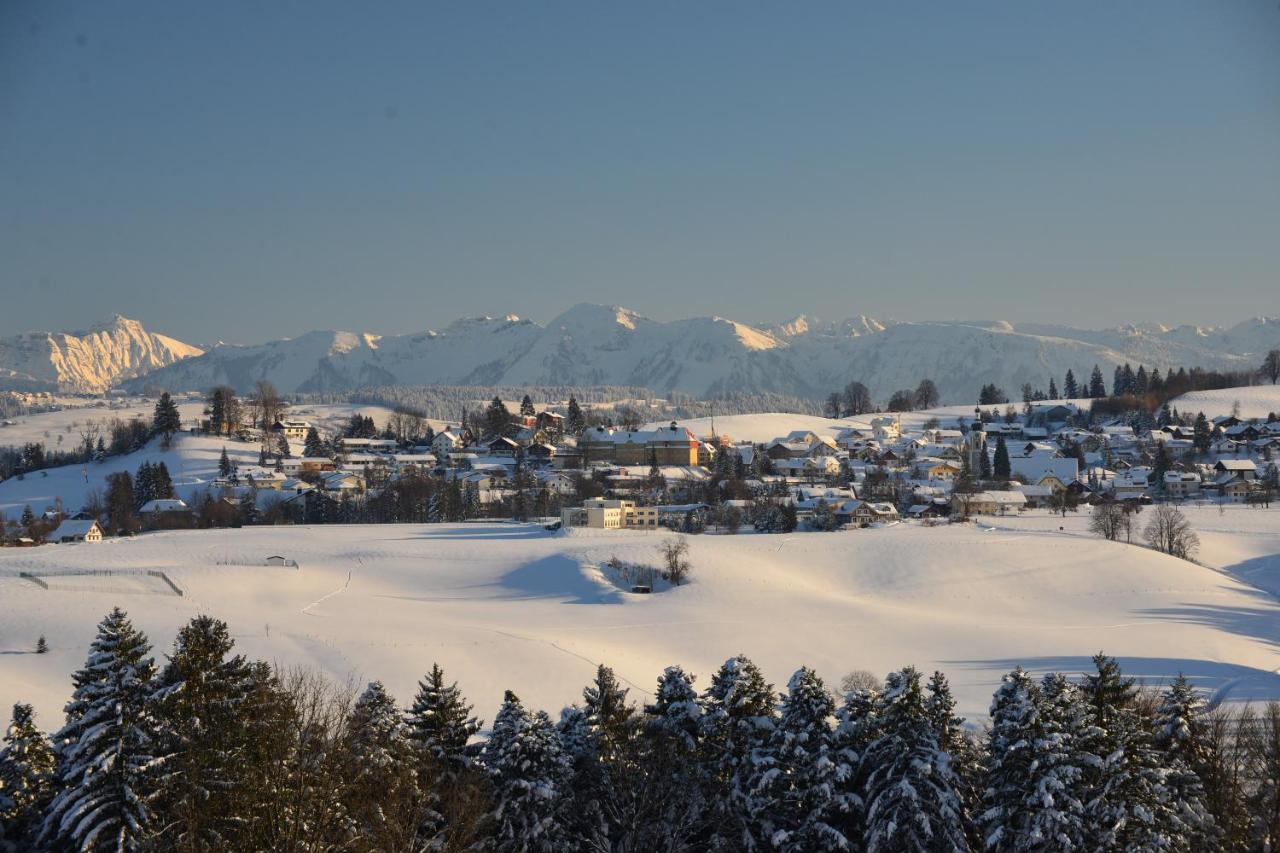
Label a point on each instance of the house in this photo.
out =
(445, 441)
(671, 445)
(540, 453)
(77, 531)
(292, 429)
(1245, 469)
(992, 502)
(606, 514)
(162, 506)
(1037, 496)
(503, 446)
(1181, 484)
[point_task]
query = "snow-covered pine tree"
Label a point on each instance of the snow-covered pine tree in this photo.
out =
(574, 422)
(313, 446)
(199, 701)
(105, 750)
(1029, 797)
(675, 716)
(612, 722)
(739, 715)
(380, 781)
(799, 801)
(912, 801)
(526, 407)
(672, 742)
(26, 779)
(856, 730)
(440, 722)
(1128, 806)
(966, 753)
(529, 774)
(1180, 736)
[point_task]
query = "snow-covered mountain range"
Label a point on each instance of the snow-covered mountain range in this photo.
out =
(608, 345)
(87, 362)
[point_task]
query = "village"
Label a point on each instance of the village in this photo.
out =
(565, 467)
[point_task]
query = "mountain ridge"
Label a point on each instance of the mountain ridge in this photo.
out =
(593, 344)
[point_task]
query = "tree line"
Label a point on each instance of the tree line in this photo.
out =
(212, 751)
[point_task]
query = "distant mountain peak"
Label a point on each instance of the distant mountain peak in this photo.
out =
(87, 361)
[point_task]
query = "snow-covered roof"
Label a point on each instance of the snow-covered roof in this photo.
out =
(72, 528)
(163, 505)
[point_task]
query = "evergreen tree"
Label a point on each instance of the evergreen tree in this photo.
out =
(1070, 390)
(1053, 389)
(738, 718)
(912, 798)
(440, 722)
(1202, 434)
(1129, 806)
(611, 721)
(26, 778)
(1096, 387)
(28, 519)
(1001, 468)
(526, 407)
(497, 420)
(379, 779)
(224, 464)
(529, 775)
(574, 422)
(984, 465)
(1180, 736)
(106, 747)
(676, 714)
(166, 420)
(798, 796)
(1029, 797)
(313, 446)
(199, 701)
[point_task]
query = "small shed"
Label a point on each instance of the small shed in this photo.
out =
(277, 560)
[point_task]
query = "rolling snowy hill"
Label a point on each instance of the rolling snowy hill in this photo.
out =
(609, 345)
(86, 362)
(512, 606)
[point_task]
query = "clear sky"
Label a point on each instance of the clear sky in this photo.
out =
(243, 171)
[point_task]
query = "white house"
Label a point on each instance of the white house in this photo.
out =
(77, 531)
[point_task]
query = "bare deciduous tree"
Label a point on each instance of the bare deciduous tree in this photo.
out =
(675, 555)
(1169, 532)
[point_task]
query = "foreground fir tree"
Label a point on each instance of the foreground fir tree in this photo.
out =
(1031, 783)
(379, 778)
(106, 749)
(1180, 737)
(798, 793)
(611, 720)
(966, 753)
(528, 773)
(440, 722)
(26, 778)
(912, 801)
(199, 701)
(673, 735)
(738, 719)
(1129, 806)
(440, 726)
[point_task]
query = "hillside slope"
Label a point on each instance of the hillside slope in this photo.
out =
(511, 606)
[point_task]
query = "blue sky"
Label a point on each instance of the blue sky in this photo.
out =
(242, 171)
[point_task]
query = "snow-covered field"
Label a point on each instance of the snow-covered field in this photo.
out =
(1256, 401)
(505, 605)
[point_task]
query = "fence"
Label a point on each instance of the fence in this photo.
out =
(38, 579)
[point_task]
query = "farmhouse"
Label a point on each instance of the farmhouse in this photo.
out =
(77, 531)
